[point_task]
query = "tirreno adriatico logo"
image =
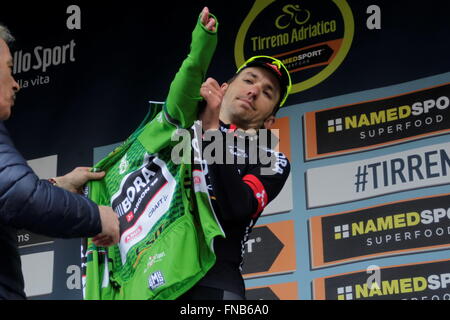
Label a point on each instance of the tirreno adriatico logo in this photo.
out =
(312, 38)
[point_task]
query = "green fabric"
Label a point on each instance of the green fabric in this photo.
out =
(167, 226)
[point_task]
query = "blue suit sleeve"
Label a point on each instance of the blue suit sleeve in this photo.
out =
(33, 204)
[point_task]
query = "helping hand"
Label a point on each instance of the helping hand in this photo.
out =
(77, 178)
(110, 234)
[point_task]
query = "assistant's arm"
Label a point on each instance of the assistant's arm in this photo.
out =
(33, 204)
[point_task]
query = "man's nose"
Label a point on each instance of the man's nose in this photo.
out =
(16, 86)
(253, 91)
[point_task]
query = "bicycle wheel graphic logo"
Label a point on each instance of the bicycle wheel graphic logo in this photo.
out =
(312, 38)
(292, 13)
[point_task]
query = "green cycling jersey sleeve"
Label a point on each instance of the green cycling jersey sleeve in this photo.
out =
(184, 93)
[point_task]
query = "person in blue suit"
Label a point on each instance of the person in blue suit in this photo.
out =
(52, 208)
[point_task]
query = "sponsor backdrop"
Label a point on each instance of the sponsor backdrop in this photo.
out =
(365, 213)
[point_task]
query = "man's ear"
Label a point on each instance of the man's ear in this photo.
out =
(224, 87)
(268, 123)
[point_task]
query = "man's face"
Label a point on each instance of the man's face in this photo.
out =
(251, 98)
(8, 86)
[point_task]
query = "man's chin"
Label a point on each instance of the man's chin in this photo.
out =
(243, 111)
(4, 115)
(240, 122)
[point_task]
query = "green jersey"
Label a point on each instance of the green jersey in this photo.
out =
(167, 225)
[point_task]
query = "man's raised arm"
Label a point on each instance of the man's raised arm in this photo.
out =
(181, 106)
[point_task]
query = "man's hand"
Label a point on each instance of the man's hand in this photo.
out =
(207, 21)
(110, 234)
(76, 179)
(213, 93)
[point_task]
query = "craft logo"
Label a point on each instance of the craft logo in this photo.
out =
(375, 123)
(312, 38)
(424, 281)
(395, 228)
(156, 280)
